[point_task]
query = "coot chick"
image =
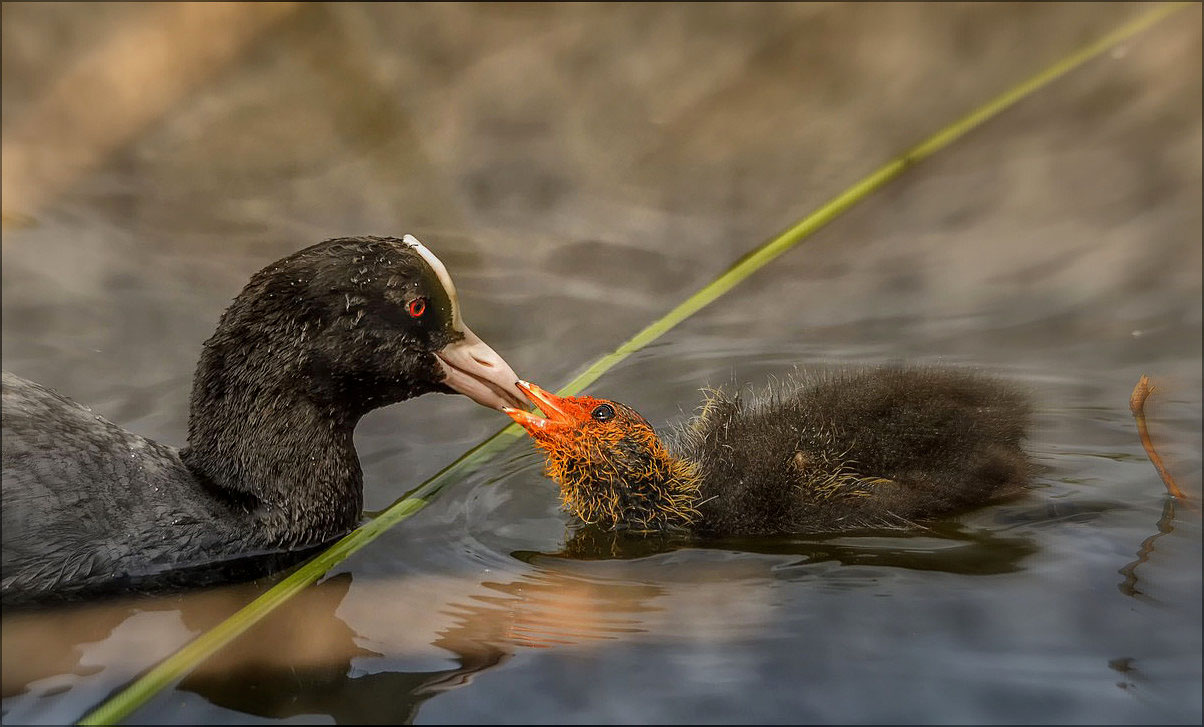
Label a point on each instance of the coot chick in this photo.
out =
(825, 452)
(314, 341)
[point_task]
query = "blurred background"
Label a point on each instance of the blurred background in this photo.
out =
(581, 169)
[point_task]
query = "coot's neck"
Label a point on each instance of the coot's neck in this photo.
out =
(646, 487)
(261, 436)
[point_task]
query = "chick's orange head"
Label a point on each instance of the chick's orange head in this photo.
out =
(611, 468)
(573, 424)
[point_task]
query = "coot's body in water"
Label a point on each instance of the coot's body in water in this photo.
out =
(856, 449)
(313, 342)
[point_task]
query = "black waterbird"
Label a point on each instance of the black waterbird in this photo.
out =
(314, 341)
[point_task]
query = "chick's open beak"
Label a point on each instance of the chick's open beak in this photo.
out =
(554, 407)
(475, 370)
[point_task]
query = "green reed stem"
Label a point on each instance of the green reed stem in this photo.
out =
(122, 704)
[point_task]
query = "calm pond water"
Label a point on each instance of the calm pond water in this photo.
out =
(581, 171)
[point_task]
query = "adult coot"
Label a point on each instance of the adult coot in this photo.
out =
(854, 449)
(313, 342)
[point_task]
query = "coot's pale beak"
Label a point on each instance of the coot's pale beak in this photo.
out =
(475, 370)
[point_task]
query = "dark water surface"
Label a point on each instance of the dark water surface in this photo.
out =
(581, 170)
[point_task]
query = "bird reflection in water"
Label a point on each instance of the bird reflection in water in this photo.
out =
(334, 650)
(319, 664)
(949, 547)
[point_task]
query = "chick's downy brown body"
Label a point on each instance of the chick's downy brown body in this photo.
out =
(824, 452)
(855, 449)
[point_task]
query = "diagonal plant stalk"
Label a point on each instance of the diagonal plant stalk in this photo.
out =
(122, 704)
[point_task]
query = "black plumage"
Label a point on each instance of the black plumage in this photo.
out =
(313, 342)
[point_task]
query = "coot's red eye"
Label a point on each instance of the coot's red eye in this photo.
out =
(416, 307)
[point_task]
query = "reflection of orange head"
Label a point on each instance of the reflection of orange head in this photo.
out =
(611, 466)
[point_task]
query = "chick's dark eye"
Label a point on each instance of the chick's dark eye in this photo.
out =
(416, 307)
(603, 412)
